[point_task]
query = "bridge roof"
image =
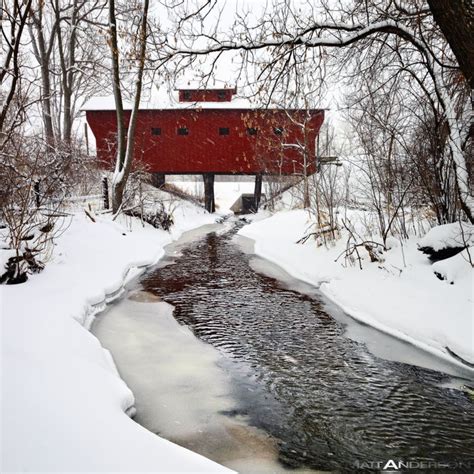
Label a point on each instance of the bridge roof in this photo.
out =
(169, 101)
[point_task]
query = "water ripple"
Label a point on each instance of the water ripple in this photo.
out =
(326, 399)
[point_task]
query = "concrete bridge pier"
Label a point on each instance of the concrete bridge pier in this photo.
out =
(257, 194)
(209, 201)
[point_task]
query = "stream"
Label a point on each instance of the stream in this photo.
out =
(229, 356)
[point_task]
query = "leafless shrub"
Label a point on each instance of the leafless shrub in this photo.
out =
(143, 201)
(158, 216)
(33, 184)
(328, 187)
(276, 185)
(355, 243)
(434, 182)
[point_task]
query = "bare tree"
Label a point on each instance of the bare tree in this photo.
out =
(381, 167)
(330, 185)
(427, 161)
(62, 38)
(13, 17)
(381, 28)
(79, 69)
(34, 181)
(42, 28)
(456, 20)
(126, 136)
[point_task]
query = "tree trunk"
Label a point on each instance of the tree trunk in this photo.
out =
(456, 20)
(125, 144)
(46, 100)
(118, 188)
(67, 71)
(42, 51)
(17, 25)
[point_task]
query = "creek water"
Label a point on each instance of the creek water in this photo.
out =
(230, 357)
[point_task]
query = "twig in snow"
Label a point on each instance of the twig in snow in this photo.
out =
(119, 210)
(458, 357)
(89, 215)
(316, 234)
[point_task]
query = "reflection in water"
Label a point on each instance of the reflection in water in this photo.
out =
(315, 398)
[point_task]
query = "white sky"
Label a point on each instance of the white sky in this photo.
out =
(228, 66)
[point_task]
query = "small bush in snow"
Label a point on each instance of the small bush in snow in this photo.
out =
(34, 180)
(158, 217)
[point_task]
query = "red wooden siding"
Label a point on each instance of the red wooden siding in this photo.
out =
(204, 149)
(206, 95)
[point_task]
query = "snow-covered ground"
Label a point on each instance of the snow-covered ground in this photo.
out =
(401, 296)
(226, 192)
(64, 406)
(63, 403)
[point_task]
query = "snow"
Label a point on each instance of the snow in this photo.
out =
(5, 255)
(64, 406)
(456, 269)
(164, 100)
(400, 296)
(448, 236)
(195, 384)
(225, 192)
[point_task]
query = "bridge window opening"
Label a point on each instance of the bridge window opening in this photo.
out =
(251, 131)
(224, 131)
(156, 131)
(278, 130)
(221, 95)
(183, 131)
(187, 95)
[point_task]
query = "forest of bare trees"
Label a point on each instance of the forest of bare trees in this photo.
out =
(404, 72)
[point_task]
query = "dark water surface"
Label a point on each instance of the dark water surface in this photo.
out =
(329, 403)
(279, 384)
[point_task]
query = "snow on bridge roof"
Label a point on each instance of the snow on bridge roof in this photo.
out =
(169, 101)
(108, 103)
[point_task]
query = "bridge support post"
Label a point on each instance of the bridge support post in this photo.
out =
(257, 194)
(209, 192)
(158, 179)
(105, 192)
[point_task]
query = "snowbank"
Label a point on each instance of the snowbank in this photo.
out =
(402, 296)
(457, 268)
(448, 236)
(64, 407)
(445, 241)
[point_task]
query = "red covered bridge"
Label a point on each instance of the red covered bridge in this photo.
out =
(208, 132)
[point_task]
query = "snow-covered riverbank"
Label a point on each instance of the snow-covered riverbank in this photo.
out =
(402, 297)
(64, 407)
